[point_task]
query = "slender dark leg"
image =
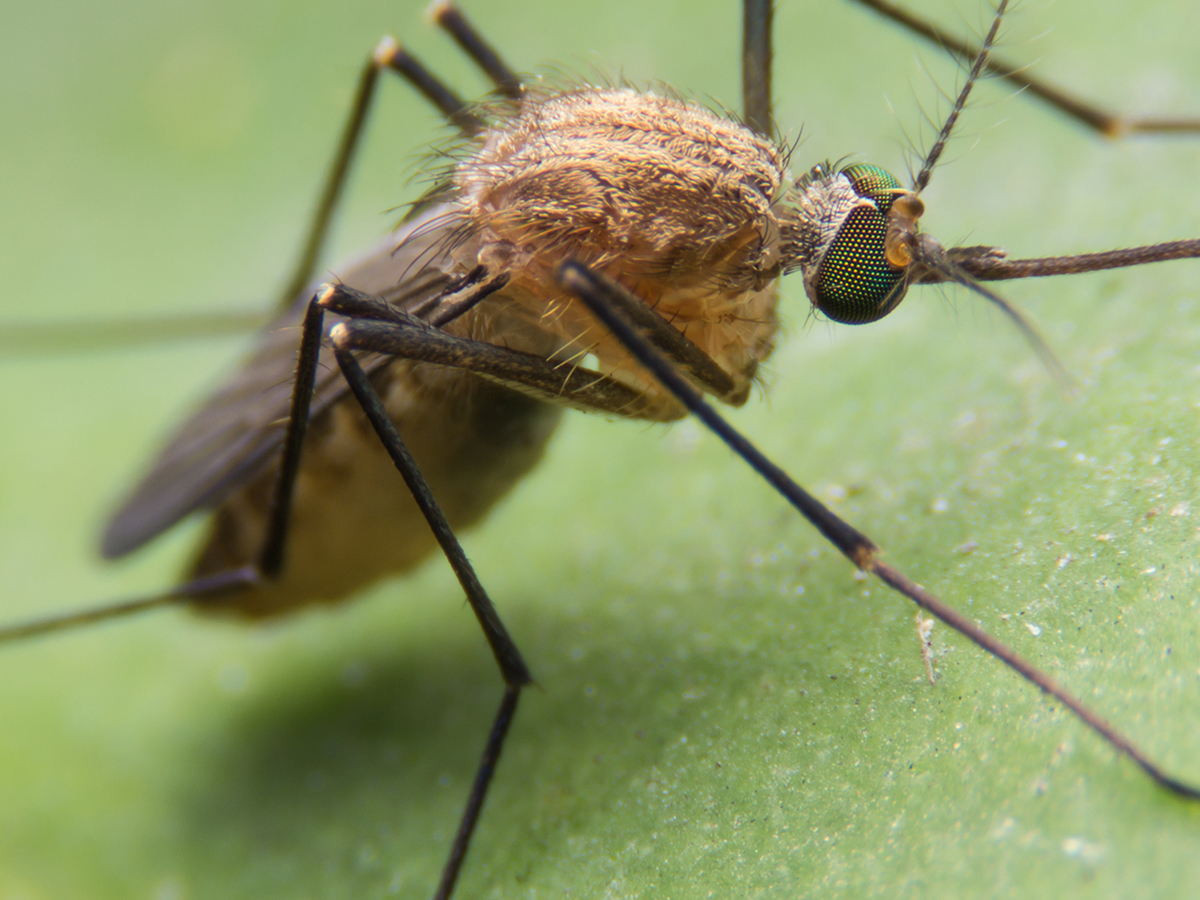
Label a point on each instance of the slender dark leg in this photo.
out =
(596, 291)
(756, 65)
(453, 302)
(388, 55)
(508, 657)
(57, 338)
(450, 18)
(213, 587)
(376, 326)
(1106, 123)
(512, 667)
(483, 778)
(391, 55)
(271, 556)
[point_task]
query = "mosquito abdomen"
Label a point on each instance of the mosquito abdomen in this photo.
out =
(353, 522)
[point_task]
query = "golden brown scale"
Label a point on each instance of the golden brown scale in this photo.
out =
(682, 206)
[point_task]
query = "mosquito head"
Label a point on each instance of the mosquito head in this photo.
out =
(854, 232)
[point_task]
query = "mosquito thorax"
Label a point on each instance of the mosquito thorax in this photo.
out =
(683, 206)
(850, 238)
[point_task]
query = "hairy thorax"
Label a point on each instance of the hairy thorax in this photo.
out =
(680, 205)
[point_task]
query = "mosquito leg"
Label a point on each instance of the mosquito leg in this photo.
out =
(212, 587)
(553, 382)
(375, 326)
(391, 55)
(683, 352)
(447, 16)
(441, 310)
(270, 557)
(1106, 123)
(56, 338)
(508, 657)
(512, 667)
(270, 560)
(388, 55)
(483, 778)
(756, 65)
(596, 291)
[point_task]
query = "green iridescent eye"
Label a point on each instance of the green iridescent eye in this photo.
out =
(873, 182)
(856, 283)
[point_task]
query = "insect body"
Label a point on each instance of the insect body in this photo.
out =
(578, 173)
(660, 766)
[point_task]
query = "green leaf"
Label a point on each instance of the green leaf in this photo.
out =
(724, 709)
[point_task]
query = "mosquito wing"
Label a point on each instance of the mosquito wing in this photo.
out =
(239, 430)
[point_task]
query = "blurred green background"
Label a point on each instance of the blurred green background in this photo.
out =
(725, 710)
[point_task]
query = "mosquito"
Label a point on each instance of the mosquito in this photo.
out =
(436, 299)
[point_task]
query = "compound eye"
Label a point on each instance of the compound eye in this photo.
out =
(873, 183)
(855, 283)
